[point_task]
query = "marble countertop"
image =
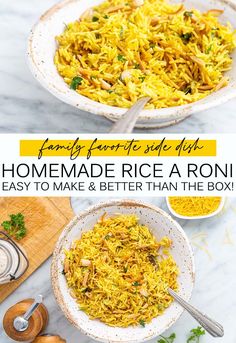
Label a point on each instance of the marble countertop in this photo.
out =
(27, 107)
(213, 241)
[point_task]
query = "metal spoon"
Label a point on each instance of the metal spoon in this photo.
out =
(211, 326)
(129, 118)
(21, 323)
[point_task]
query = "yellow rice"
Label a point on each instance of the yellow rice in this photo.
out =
(122, 50)
(119, 273)
(194, 206)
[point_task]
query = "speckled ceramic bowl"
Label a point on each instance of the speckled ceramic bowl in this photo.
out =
(161, 224)
(42, 46)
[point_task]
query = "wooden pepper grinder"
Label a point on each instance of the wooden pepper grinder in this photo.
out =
(49, 339)
(26, 319)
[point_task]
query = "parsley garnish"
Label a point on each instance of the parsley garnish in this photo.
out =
(186, 37)
(109, 91)
(208, 49)
(87, 289)
(195, 335)
(136, 283)
(169, 339)
(142, 323)
(106, 16)
(142, 78)
(76, 81)
(15, 226)
(121, 58)
(136, 66)
(187, 90)
(188, 13)
(95, 19)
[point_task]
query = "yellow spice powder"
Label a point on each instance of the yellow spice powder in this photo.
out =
(194, 206)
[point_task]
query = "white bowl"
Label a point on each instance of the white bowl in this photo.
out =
(42, 46)
(218, 210)
(161, 224)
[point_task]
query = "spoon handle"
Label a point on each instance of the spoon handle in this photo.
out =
(38, 300)
(129, 118)
(211, 326)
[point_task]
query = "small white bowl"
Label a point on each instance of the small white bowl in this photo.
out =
(218, 210)
(42, 47)
(161, 224)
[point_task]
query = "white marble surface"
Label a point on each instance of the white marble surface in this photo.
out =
(214, 291)
(26, 107)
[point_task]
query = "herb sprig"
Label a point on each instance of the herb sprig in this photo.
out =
(15, 227)
(142, 323)
(169, 339)
(76, 81)
(121, 58)
(194, 336)
(186, 37)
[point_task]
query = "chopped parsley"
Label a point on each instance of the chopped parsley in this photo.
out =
(15, 227)
(94, 19)
(169, 339)
(142, 78)
(109, 91)
(186, 37)
(87, 289)
(208, 49)
(125, 269)
(188, 14)
(195, 335)
(121, 58)
(142, 323)
(76, 81)
(106, 16)
(136, 66)
(136, 283)
(187, 90)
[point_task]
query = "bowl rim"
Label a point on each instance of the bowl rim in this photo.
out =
(59, 246)
(146, 117)
(217, 211)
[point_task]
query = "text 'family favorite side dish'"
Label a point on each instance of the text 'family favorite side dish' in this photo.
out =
(119, 273)
(122, 50)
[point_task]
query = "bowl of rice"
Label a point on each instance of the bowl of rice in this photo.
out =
(101, 56)
(111, 268)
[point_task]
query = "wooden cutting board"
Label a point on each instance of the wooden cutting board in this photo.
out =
(44, 219)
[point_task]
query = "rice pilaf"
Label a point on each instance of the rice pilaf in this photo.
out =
(118, 272)
(122, 50)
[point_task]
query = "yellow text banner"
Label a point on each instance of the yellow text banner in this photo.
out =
(116, 147)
